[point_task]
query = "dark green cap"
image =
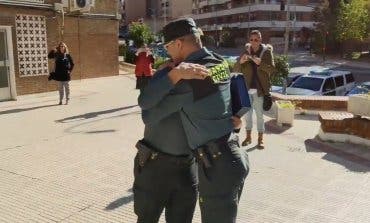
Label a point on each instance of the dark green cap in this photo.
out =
(179, 28)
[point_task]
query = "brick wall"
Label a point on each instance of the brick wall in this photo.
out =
(93, 44)
(323, 103)
(345, 123)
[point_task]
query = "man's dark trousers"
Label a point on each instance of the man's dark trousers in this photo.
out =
(165, 184)
(220, 186)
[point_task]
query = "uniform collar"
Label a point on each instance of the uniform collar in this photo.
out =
(198, 54)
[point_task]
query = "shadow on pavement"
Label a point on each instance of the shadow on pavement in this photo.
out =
(17, 110)
(350, 161)
(252, 148)
(307, 117)
(272, 127)
(119, 202)
(72, 128)
(101, 131)
(92, 114)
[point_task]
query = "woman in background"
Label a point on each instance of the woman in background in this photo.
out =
(144, 61)
(63, 68)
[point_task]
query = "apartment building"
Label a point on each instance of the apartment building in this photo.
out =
(156, 13)
(239, 17)
(29, 29)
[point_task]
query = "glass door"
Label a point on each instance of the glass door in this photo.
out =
(5, 93)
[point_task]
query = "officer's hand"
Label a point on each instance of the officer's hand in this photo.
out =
(237, 122)
(188, 71)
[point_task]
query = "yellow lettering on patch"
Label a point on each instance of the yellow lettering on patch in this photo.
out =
(220, 72)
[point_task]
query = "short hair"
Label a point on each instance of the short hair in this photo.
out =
(256, 32)
(193, 39)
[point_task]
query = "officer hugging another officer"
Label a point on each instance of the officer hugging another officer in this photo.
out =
(189, 144)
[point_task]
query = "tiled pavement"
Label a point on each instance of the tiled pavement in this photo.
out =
(74, 163)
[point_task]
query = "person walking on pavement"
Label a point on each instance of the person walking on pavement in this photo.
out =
(256, 64)
(143, 70)
(164, 167)
(63, 69)
(205, 109)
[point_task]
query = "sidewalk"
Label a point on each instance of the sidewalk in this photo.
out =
(73, 163)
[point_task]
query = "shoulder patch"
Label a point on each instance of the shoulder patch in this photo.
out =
(220, 72)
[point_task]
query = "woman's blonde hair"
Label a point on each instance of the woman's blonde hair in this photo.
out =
(65, 47)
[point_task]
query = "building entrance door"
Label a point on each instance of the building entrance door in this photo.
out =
(5, 93)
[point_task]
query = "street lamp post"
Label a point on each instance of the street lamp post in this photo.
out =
(287, 29)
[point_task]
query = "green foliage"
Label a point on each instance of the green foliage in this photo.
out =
(159, 61)
(141, 34)
(281, 70)
(355, 55)
(353, 19)
(325, 16)
(130, 57)
(126, 53)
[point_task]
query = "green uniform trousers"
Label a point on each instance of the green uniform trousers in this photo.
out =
(165, 184)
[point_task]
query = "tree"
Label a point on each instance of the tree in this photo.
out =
(281, 70)
(353, 19)
(140, 33)
(325, 16)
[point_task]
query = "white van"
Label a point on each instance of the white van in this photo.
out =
(323, 82)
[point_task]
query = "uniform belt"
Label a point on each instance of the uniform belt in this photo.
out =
(178, 159)
(147, 153)
(211, 151)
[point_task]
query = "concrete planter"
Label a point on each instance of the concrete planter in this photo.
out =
(284, 112)
(359, 105)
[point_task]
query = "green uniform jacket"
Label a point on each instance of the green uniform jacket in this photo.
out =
(205, 108)
(264, 70)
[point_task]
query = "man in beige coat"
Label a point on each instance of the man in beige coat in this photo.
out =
(257, 64)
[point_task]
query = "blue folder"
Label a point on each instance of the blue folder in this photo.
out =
(239, 95)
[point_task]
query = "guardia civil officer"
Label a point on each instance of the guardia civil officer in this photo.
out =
(164, 167)
(205, 110)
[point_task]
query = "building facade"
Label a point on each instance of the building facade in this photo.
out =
(269, 16)
(156, 13)
(29, 29)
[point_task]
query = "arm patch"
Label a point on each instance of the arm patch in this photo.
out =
(220, 72)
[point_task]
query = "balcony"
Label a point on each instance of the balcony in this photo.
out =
(212, 2)
(252, 8)
(276, 25)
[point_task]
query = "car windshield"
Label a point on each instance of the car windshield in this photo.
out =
(310, 83)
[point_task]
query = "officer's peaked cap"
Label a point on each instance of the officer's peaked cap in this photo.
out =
(179, 28)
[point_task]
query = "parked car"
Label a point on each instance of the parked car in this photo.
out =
(323, 82)
(293, 77)
(290, 79)
(363, 88)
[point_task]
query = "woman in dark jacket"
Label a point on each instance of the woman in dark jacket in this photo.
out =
(63, 68)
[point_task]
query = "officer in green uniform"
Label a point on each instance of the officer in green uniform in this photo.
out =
(164, 168)
(205, 110)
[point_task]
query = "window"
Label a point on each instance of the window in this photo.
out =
(350, 78)
(329, 85)
(31, 45)
(339, 81)
(310, 83)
